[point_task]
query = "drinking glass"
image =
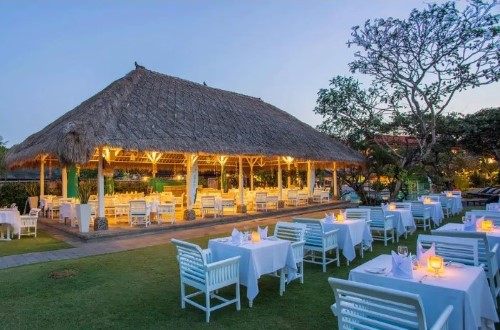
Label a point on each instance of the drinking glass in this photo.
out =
(403, 250)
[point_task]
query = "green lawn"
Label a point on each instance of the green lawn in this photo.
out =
(140, 289)
(42, 242)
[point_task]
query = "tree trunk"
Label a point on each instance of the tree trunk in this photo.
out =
(397, 188)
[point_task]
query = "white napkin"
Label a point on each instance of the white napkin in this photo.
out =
(479, 222)
(262, 232)
(385, 207)
(470, 224)
(236, 237)
(329, 218)
(401, 266)
(422, 255)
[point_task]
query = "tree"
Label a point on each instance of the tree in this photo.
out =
(3, 151)
(417, 66)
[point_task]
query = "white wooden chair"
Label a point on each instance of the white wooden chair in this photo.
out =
(293, 232)
(166, 209)
(421, 214)
(227, 203)
(365, 306)
(487, 214)
(486, 256)
(208, 205)
(179, 202)
(54, 207)
(403, 205)
(463, 251)
(138, 213)
(292, 197)
(317, 195)
(381, 224)
(445, 205)
(319, 241)
(199, 271)
(260, 201)
(29, 223)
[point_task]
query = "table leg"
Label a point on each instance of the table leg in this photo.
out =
(250, 303)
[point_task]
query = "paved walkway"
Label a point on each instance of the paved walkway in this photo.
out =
(92, 248)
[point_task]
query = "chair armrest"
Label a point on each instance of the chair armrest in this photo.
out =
(223, 263)
(332, 232)
(330, 239)
(389, 217)
(442, 321)
(494, 249)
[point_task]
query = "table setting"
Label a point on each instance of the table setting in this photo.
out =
(260, 254)
(438, 283)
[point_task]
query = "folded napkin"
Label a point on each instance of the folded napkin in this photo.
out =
(402, 266)
(385, 207)
(262, 232)
(422, 255)
(479, 222)
(236, 237)
(471, 223)
(329, 217)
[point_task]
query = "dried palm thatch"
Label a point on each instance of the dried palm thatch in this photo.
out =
(146, 110)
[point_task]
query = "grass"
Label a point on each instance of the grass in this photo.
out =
(139, 289)
(27, 244)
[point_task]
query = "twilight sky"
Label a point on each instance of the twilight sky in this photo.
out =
(56, 54)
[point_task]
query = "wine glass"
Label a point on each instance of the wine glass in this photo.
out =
(403, 250)
(436, 264)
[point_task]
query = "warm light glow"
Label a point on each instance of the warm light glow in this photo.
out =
(435, 264)
(255, 237)
(392, 207)
(487, 225)
(145, 178)
(427, 200)
(288, 159)
(340, 217)
(449, 194)
(178, 177)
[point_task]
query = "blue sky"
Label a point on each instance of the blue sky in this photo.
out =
(56, 54)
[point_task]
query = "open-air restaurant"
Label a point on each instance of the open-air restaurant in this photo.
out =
(450, 281)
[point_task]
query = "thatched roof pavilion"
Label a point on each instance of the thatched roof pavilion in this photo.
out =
(146, 112)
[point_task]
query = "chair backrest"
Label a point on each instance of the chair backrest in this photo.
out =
(192, 261)
(402, 205)
(492, 206)
(261, 197)
(166, 208)
(290, 231)
(483, 247)
(359, 213)
(464, 251)
(138, 207)
(378, 218)
(292, 194)
(314, 231)
(419, 210)
(453, 192)
(375, 307)
(488, 215)
(207, 201)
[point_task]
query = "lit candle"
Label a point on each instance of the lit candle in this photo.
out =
(487, 225)
(340, 217)
(255, 237)
(435, 264)
(392, 207)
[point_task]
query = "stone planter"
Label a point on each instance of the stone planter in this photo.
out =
(83, 214)
(281, 204)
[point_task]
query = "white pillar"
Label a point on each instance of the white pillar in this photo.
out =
(64, 176)
(191, 179)
(251, 177)
(100, 185)
(280, 179)
(240, 181)
(42, 176)
(310, 177)
(334, 180)
(289, 177)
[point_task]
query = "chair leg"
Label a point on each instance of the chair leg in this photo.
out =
(207, 305)
(183, 294)
(324, 261)
(238, 300)
(338, 259)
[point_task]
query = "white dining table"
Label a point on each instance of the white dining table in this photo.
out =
(257, 259)
(10, 218)
(403, 221)
(492, 236)
(456, 204)
(351, 233)
(67, 210)
(437, 213)
(465, 288)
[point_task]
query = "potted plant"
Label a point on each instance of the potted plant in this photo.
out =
(33, 190)
(84, 210)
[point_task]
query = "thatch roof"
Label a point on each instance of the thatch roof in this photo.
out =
(146, 110)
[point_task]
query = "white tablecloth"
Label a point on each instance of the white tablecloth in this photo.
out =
(456, 204)
(351, 233)
(264, 257)
(493, 236)
(466, 289)
(403, 220)
(67, 210)
(11, 217)
(437, 214)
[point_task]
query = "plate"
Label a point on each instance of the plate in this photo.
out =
(272, 238)
(376, 270)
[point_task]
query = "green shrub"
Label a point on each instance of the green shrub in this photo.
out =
(13, 193)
